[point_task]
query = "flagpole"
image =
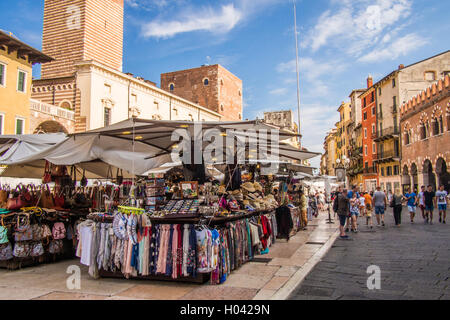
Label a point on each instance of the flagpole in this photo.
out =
(297, 69)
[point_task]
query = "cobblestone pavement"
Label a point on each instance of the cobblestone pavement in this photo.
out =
(414, 260)
(254, 280)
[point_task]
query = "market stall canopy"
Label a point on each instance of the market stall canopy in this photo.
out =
(137, 146)
(17, 148)
(100, 155)
(159, 133)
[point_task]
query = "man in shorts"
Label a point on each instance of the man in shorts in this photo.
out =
(411, 197)
(421, 201)
(430, 203)
(442, 196)
(343, 210)
(379, 203)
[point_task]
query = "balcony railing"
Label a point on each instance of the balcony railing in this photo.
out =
(369, 170)
(387, 154)
(388, 132)
(50, 109)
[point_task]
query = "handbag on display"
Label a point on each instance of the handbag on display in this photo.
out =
(47, 177)
(4, 195)
(3, 235)
(119, 178)
(55, 246)
(16, 199)
(6, 252)
(58, 200)
(37, 232)
(81, 200)
(46, 233)
(84, 180)
(37, 249)
(22, 249)
(46, 198)
(34, 195)
(23, 230)
(58, 171)
(58, 231)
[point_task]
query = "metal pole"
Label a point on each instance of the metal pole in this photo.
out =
(297, 69)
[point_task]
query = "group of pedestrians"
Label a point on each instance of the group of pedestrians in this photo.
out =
(350, 204)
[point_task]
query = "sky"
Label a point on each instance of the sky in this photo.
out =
(341, 42)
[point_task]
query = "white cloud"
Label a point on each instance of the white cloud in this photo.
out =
(278, 91)
(311, 69)
(206, 19)
(357, 25)
(399, 47)
(184, 17)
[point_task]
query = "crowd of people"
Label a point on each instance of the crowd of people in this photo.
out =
(350, 204)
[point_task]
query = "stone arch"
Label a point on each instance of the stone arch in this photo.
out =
(429, 178)
(407, 133)
(65, 104)
(442, 173)
(406, 179)
(50, 126)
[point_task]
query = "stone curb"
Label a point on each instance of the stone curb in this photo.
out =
(284, 292)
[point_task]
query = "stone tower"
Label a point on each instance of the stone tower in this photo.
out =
(76, 30)
(213, 87)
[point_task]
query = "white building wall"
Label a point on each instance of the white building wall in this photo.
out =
(150, 101)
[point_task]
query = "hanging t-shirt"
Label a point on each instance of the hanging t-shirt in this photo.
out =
(441, 197)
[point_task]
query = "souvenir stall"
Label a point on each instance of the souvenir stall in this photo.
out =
(179, 228)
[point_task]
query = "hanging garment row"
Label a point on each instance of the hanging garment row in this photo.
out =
(131, 245)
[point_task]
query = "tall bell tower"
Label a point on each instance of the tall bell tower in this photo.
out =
(76, 30)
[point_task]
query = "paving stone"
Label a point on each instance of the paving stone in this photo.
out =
(218, 292)
(275, 283)
(414, 262)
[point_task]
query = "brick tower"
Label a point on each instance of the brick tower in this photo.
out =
(213, 87)
(77, 30)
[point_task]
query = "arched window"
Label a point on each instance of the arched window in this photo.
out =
(171, 87)
(441, 124)
(205, 81)
(423, 132)
(407, 138)
(435, 124)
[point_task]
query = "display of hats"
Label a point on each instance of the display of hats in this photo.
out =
(239, 197)
(221, 190)
(246, 202)
(248, 186)
(252, 196)
(258, 187)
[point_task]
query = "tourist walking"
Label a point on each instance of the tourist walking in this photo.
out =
(396, 204)
(354, 211)
(368, 209)
(379, 203)
(430, 201)
(421, 201)
(303, 210)
(411, 198)
(442, 197)
(341, 207)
